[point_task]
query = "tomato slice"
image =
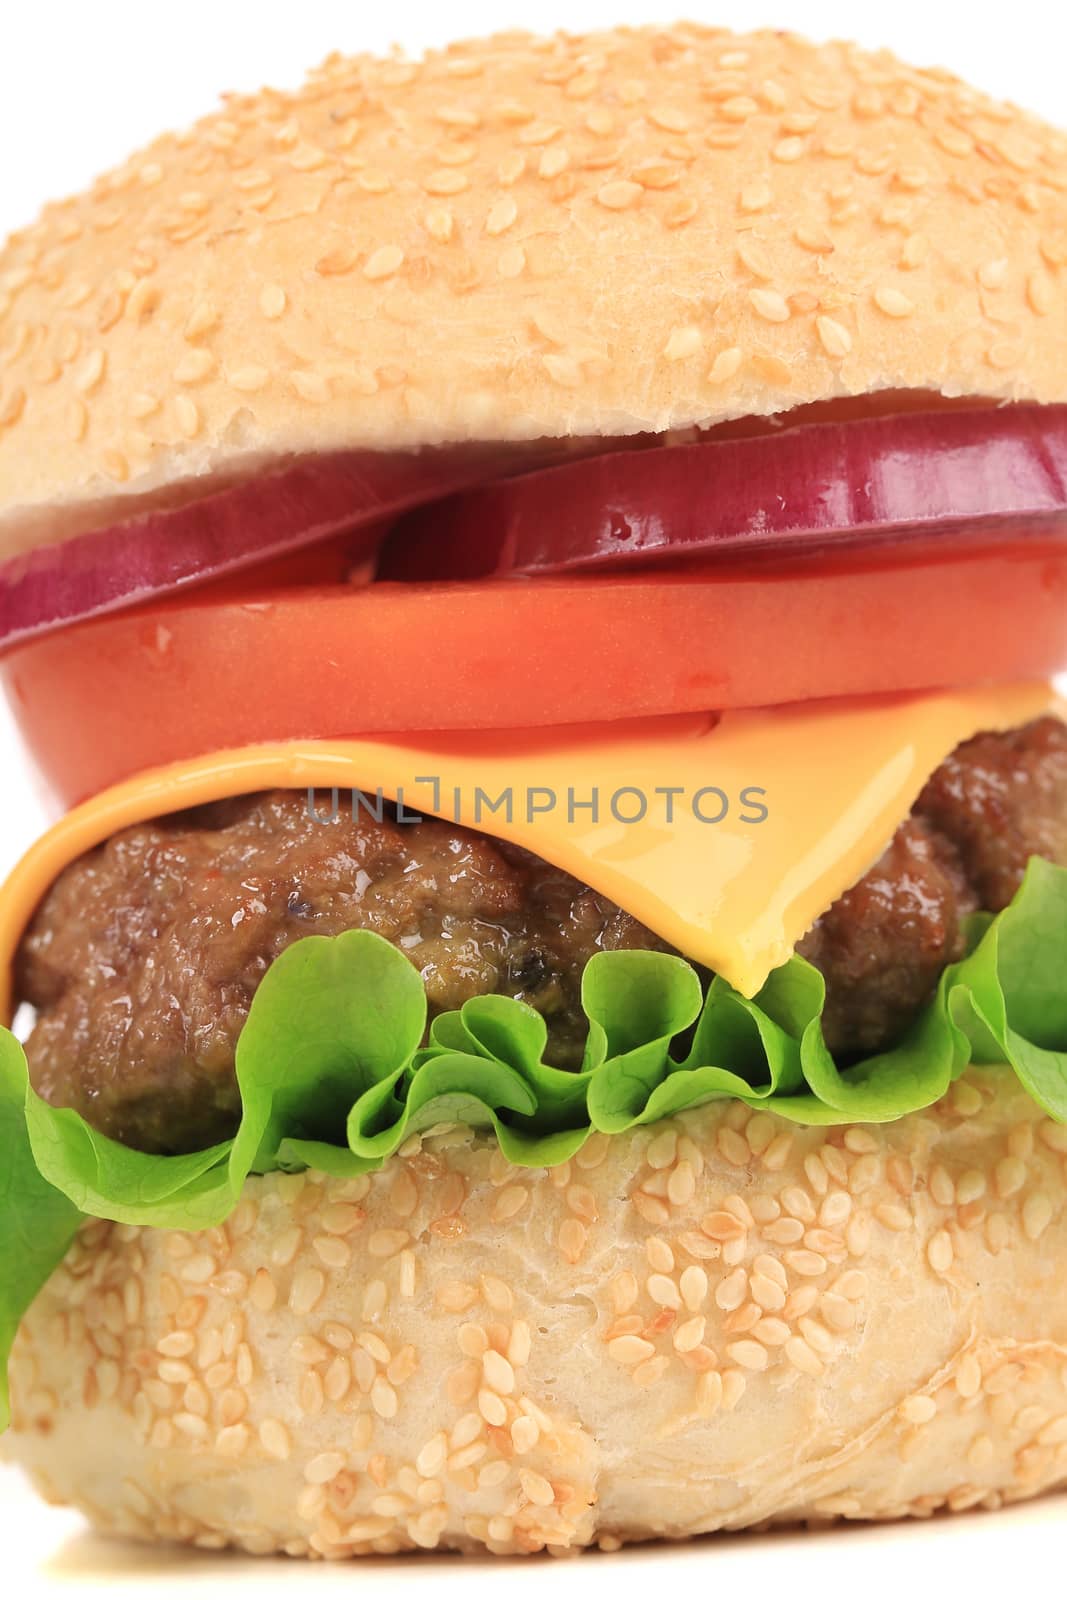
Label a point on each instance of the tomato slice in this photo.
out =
(108, 698)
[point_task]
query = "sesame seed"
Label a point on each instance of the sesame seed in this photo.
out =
(376, 1346)
(663, 1291)
(722, 1225)
(537, 1489)
(917, 1409)
(324, 1468)
(734, 1384)
(1021, 1141)
(864, 1174)
(91, 373)
(966, 1100)
(896, 1218)
(274, 1437)
(510, 1202)
(893, 302)
(969, 1377)
(683, 342)
(525, 1434)
(333, 1253)
(663, 1150)
(582, 1201)
(383, 1398)
(1039, 293)
(755, 196)
(690, 1333)
(800, 1355)
(245, 1366)
(498, 1371)
(273, 301)
(572, 1239)
(1037, 1214)
(768, 1295)
(798, 1203)
(446, 181)
(725, 366)
(502, 215)
(788, 150)
(248, 380)
(770, 1267)
(834, 336)
(439, 223)
(857, 1235)
(939, 1252)
(309, 1285)
(730, 1294)
(624, 1290)
(175, 1372)
(772, 1332)
(192, 1426)
(194, 366)
(619, 195)
(998, 1232)
(187, 416)
(816, 1173)
(768, 304)
(492, 1408)
(308, 1351)
(785, 1230)
(837, 1312)
(694, 1287)
(233, 1441)
(511, 263)
(749, 1354)
(232, 1407)
(808, 1263)
(815, 1334)
(630, 1350)
(383, 262)
(201, 320)
(431, 1458)
(177, 1345)
(709, 1393)
(1009, 1176)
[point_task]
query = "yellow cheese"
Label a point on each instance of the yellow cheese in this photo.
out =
(834, 781)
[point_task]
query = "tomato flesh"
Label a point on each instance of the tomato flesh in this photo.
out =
(108, 698)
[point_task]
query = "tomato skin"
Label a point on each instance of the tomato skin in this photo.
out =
(108, 698)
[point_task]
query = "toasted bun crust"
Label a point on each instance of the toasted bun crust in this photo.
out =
(711, 1323)
(521, 237)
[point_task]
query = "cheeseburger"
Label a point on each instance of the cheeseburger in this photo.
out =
(534, 576)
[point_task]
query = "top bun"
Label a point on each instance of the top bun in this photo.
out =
(631, 230)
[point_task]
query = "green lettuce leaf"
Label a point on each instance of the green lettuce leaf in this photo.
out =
(336, 1070)
(1009, 997)
(37, 1222)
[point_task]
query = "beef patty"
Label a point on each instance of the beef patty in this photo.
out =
(143, 959)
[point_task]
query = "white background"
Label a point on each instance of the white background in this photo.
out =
(80, 85)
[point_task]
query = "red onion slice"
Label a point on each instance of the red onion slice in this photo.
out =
(268, 514)
(980, 473)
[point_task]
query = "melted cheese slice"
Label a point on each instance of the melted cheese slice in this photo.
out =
(736, 895)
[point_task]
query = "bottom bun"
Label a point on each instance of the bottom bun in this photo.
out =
(715, 1322)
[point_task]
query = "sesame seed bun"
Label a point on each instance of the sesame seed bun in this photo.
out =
(715, 1322)
(635, 230)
